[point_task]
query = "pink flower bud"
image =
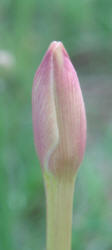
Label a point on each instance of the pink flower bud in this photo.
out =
(58, 111)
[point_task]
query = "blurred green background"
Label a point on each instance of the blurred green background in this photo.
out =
(26, 29)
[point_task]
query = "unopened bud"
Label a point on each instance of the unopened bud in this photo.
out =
(59, 119)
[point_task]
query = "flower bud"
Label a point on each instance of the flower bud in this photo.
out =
(58, 112)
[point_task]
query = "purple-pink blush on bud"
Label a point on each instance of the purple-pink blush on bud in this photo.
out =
(58, 113)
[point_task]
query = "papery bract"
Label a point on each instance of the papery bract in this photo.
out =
(58, 112)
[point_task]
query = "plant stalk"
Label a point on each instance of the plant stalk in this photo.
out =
(59, 197)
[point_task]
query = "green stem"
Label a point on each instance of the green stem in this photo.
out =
(59, 195)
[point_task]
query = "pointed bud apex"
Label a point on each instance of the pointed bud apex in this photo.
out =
(58, 111)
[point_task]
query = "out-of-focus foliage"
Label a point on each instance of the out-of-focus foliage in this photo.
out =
(26, 29)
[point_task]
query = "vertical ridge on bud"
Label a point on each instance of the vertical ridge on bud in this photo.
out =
(43, 109)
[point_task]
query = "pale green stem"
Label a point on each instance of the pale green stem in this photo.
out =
(59, 196)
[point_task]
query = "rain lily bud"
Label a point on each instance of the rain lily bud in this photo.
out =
(59, 124)
(59, 120)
